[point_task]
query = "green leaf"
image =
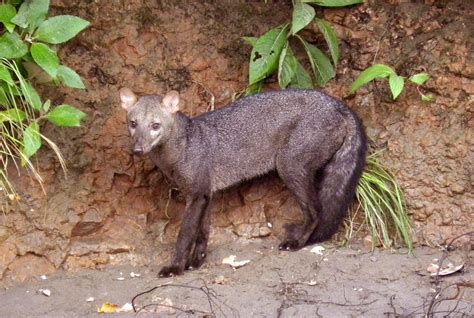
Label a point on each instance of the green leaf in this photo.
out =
(369, 74)
(46, 106)
(427, 98)
(69, 77)
(3, 98)
(322, 68)
(301, 80)
(331, 39)
(32, 97)
(31, 14)
(65, 116)
(12, 46)
(31, 140)
(396, 84)
(334, 3)
(420, 78)
(266, 53)
(286, 66)
(60, 29)
(10, 89)
(5, 75)
(254, 88)
(13, 114)
(7, 12)
(303, 14)
(250, 40)
(45, 57)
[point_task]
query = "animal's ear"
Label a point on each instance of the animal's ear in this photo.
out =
(170, 101)
(128, 98)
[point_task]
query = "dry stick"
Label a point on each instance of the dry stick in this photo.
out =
(210, 294)
(434, 300)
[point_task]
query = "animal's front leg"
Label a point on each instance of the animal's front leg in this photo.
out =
(195, 207)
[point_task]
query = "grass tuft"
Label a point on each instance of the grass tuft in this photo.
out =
(16, 98)
(382, 201)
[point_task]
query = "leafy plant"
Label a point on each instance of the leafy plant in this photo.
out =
(27, 42)
(272, 51)
(382, 200)
(396, 82)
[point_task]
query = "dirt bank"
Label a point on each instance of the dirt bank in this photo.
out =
(116, 209)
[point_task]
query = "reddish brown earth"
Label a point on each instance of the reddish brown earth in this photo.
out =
(114, 208)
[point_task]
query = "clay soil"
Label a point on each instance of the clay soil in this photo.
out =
(115, 213)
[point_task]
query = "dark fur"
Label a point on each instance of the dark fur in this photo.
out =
(315, 143)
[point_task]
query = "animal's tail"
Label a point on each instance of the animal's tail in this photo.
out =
(337, 181)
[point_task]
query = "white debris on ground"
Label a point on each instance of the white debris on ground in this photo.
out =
(318, 249)
(232, 262)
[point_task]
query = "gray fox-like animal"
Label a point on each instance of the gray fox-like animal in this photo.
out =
(314, 142)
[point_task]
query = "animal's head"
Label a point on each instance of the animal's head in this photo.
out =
(150, 118)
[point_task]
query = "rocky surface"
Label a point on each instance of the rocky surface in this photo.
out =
(113, 208)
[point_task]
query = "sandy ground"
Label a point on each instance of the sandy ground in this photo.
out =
(343, 282)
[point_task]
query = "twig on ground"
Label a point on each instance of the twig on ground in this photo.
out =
(211, 296)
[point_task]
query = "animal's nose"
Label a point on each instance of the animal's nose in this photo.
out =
(138, 151)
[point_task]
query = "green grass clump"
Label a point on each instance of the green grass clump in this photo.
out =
(381, 198)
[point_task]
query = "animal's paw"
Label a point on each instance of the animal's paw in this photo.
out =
(196, 260)
(170, 271)
(289, 245)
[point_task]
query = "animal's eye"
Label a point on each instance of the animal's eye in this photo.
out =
(133, 124)
(155, 126)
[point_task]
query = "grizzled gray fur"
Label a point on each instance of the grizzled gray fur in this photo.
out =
(315, 143)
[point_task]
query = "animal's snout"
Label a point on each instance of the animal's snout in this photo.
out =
(138, 150)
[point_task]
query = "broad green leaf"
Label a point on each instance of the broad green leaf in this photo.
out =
(5, 75)
(331, 39)
(254, 88)
(7, 12)
(419, 78)
(69, 77)
(32, 97)
(13, 114)
(250, 40)
(45, 57)
(322, 67)
(286, 66)
(334, 3)
(396, 84)
(303, 14)
(369, 74)
(31, 14)
(427, 98)
(31, 140)
(60, 28)
(301, 80)
(65, 116)
(12, 46)
(266, 53)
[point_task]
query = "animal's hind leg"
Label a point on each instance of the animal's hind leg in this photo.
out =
(297, 164)
(299, 178)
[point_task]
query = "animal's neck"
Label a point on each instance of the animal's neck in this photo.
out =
(173, 148)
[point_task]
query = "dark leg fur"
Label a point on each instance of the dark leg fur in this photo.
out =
(199, 253)
(188, 234)
(297, 165)
(337, 183)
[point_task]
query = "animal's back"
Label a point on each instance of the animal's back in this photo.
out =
(243, 138)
